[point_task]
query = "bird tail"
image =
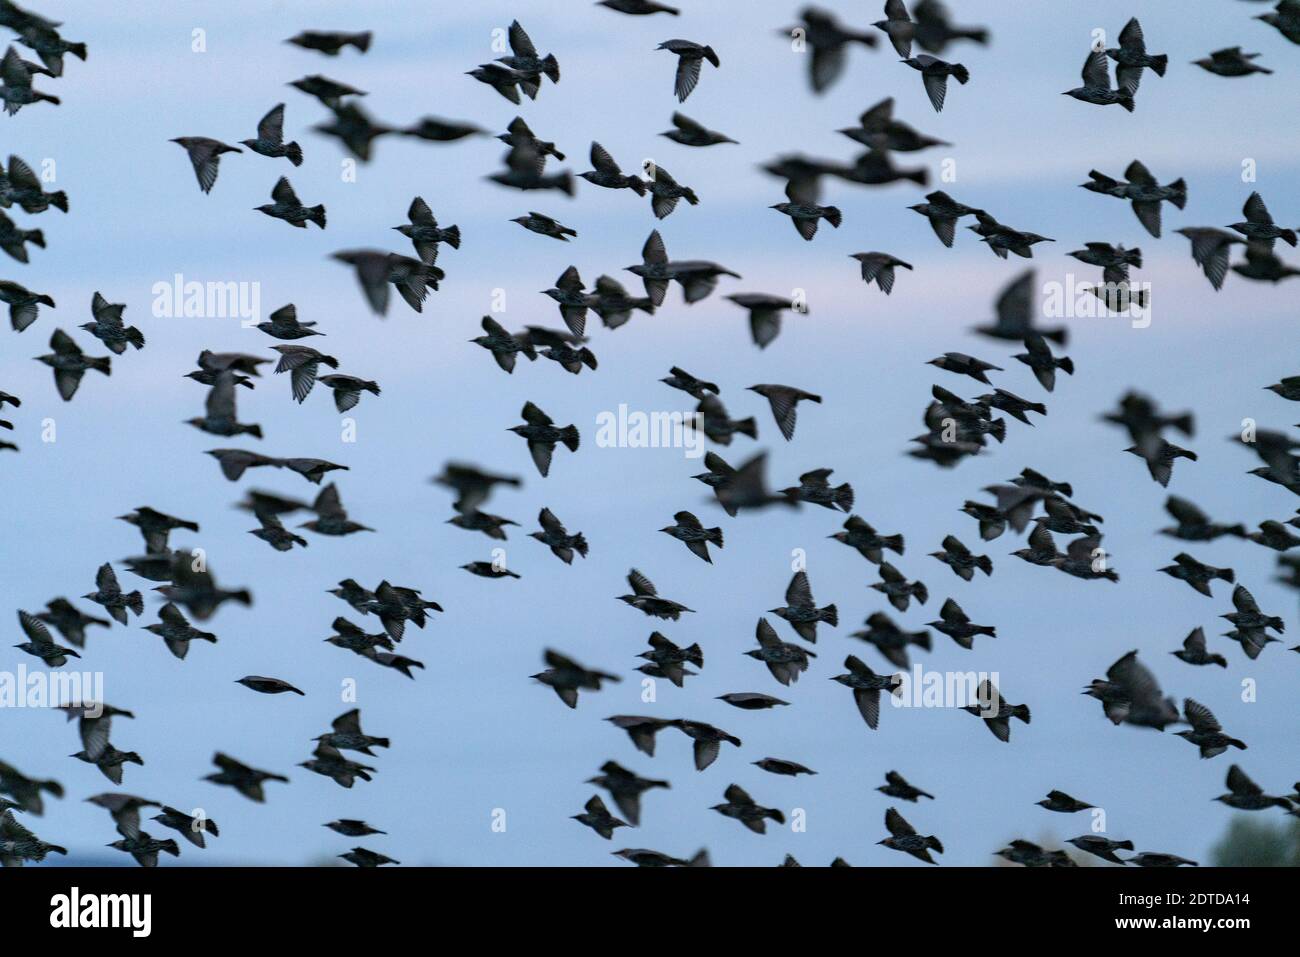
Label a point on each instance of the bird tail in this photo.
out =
(1133, 257)
(78, 50)
(135, 601)
(989, 630)
(690, 197)
(362, 41)
(255, 431)
(1240, 745)
(59, 200)
(1179, 187)
(974, 34)
(714, 535)
(135, 337)
(961, 74)
(920, 592)
(747, 427)
(893, 542)
(103, 364)
(999, 430)
(1158, 64)
(985, 564)
(1126, 100)
(831, 615)
(694, 655)
(1184, 423)
(56, 849)
(371, 387)
(569, 436)
(833, 216)
(1288, 236)
(452, 236)
(380, 742)
(921, 640)
(1066, 365)
(317, 215)
(242, 596)
(637, 185)
(1021, 711)
(921, 177)
(580, 544)
(293, 152)
(844, 497)
(1237, 530)
(551, 67)
(37, 237)
(566, 183)
(1226, 574)
(1124, 845)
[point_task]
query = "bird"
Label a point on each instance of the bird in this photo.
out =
(193, 827)
(707, 740)
(1062, 803)
(597, 817)
(1206, 732)
(1096, 87)
(607, 173)
(69, 621)
(801, 610)
(962, 364)
(1131, 57)
(670, 659)
(1156, 859)
(1038, 356)
(364, 857)
(70, 364)
(954, 623)
(569, 293)
(40, 644)
(1143, 191)
(525, 59)
(205, 155)
(1245, 795)
(1193, 651)
(1003, 239)
(879, 268)
(348, 736)
(934, 74)
(329, 92)
(785, 661)
(625, 788)
(646, 599)
(110, 761)
(566, 677)
(860, 536)
(270, 138)
(23, 306)
(1103, 847)
(1285, 17)
(638, 7)
(689, 57)
(641, 730)
(288, 207)
(896, 786)
(698, 278)
(176, 631)
(109, 328)
(741, 807)
(1259, 227)
(327, 761)
(1231, 61)
(424, 232)
(1196, 574)
(94, 724)
(814, 487)
(542, 436)
(220, 416)
(1031, 855)
(898, 26)
(331, 42)
(903, 837)
(20, 184)
(783, 767)
(867, 685)
(109, 594)
(894, 586)
(995, 711)
(1210, 249)
(264, 685)
(764, 315)
(943, 211)
(347, 390)
(783, 399)
(352, 827)
(805, 216)
(544, 225)
(686, 131)
(556, 537)
(960, 559)
(16, 90)
(1130, 695)
(1194, 525)
(18, 844)
(751, 700)
(13, 239)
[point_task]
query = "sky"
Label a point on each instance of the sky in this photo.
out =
(472, 735)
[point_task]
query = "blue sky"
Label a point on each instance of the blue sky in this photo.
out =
(472, 733)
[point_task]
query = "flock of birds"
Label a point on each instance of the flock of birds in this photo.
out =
(956, 428)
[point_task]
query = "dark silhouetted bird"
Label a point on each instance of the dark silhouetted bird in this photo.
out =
(1156, 859)
(69, 621)
(1246, 795)
(691, 532)
(785, 661)
(328, 92)
(896, 786)
(556, 537)
(698, 278)
(867, 685)
(783, 399)
(879, 268)
(330, 42)
(40, 644)
(108, 327)
(176, 632)
(70, 364)
(801, 610)
(20, 184)
(542, 436)
(934, 73)
(1285, 17)
(1062, 803)
(1259, 227)
(205, 154)
(1096, 87)
(1102, 847)
(1206, 733)
(1193, 651)
(424, 233)
(781, 766)
(597, 817)
(270, 138)
(287, 206)
(859, 535)
(708, 740)
(1210, 249)
(1131, 57)
(1143, 191)
(954, 623)
(995, 711)
(765, 314)
(689, 57)
(671, 659)
(329, 762)
(687, 132)
(625, 788)
(645, 598)
(267, 685)
(1198, 575)
(903, 837)
(894, 586)
(351, 827)
(109, 594)
(741, 807)
(1231, 61)
(565, 676)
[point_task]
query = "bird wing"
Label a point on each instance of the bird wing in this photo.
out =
(282, 192)
(519, 41)
(550, 523)
(1239, 783)
(766, 635)
(1135, 678)
(895, 824)
(688, 74)
(868, 702)
(349, 722)
(35, 630)
(654, 252)
(420, 214)
(688, 520)
(735, 794)
(602, 161)
(535, 416)
(783, 409)
(706, 752)
(936, 88)
(1244, 601)
(826, 64)
(541, 453)
(1096, 72)
(799, 592)
(270, 128)
(220, 403)
(1131, 39)
(1255, 211)
(951, 612)
(640, 584)
(569, 280)
(1184, 512)
(1195, 642)
(328, 504)
(106, 581)
(1200, 717)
